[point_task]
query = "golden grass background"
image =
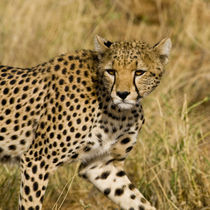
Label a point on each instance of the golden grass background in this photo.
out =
(170, 164)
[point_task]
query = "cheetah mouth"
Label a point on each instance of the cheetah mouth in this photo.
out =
(122, 104)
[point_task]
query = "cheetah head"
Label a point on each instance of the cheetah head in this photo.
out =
(131, 70)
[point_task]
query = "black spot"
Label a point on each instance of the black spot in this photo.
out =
(29, 164)
(40, 176)
(41, 199)
(57, 67)
(11, 101)
(46, 176)
(8, 121)
(54, 153)
(129, 149)
(84, 127)
(3, 102)
(55, 160)
(16, 128)
(71, 57)
(34, 169)
(114, 130)
(35, 90)
(31, 101)
(27, 190)
(35, 186)
(37, 207)
(75, 142)
(12, 147)
(42, 124)
(64, 71)
(67, 87)
(86, 149)
(60, 126)
(14, 137)
(61, 82)
(26, 175)
(18, 114)
(34, 82)
(141, 208)
(106, 130)
(131, 208)
(78, 121)
(109, 161)
(72, 129)
(7, 111)
(78, 80)
(133, 196)
(6, 91)
(24, 96)
(74, 156)
(25, 88)
(107, 191)
(16, 90)
(3, 130)
(42, 164)
(119, 192)
(62, 98)
(28, 133)
(77, 135)
(22, 142)
(72, 66)
(30, 198)
(131, 186)
(38, 193)
(12, 82)
(18, 106)
(120, 173)
(125, 141)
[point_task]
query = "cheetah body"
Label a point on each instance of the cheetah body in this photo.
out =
(79, 106)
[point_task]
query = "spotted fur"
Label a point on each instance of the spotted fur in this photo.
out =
(79, 106)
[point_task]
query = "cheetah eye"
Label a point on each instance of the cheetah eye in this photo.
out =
(110, 71)
(139, 72)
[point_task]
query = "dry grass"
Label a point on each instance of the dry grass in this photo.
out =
(170, 164)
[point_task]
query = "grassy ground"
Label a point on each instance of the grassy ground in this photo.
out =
(170, 163)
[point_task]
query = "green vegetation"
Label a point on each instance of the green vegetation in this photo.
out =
(170, 164)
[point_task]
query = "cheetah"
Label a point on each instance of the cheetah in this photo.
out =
(83, 106)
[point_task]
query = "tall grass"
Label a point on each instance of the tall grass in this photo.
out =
(170, 163)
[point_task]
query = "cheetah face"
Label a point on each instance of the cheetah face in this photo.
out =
(131, 70)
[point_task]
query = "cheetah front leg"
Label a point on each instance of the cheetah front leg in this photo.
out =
(34, 180)
(108, 176)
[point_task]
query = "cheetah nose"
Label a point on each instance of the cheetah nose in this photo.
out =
(123, 95)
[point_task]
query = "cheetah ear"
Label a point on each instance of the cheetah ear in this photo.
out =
(101, 44)
(163, 47)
